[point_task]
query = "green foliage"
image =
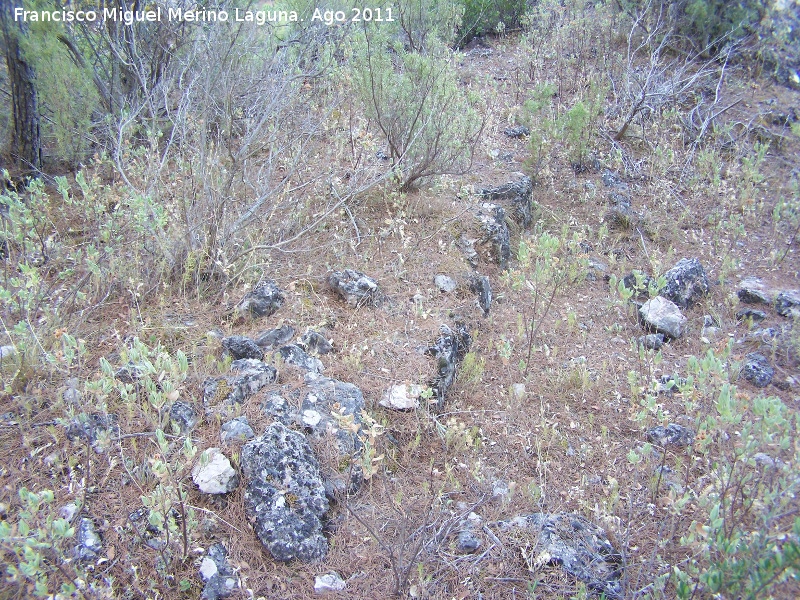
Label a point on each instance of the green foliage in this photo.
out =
(483, 17)
(431, 126)
(423, 20)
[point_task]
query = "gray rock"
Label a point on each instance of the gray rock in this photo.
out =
(213, 473)
(277, 407)
(355, 288)
(686, 283)
(662, 316)
(92, 428)
(672, 435)
(753, 291)
(449, 350)
(402, 397)
(249, 376)
(444, 283)
(757, 370)
(467, 246)
(314, 342)
(517, 132)
(183, 415)
(220, 579)
(519, 195)
(240, 346)
(749, 313)
(652, 341)
(296, 356)
(620, 214)
(275, 337)
(669, 384)
(324, 396)
(496, 240)
(579, 546)
(467, 542)
(482, 288)
(72, 395)
(236, 430)
(787, 304)
(330, 582)
(709, 321)
(613, 180)
(285, 498)
(89, 545)
(265, 299)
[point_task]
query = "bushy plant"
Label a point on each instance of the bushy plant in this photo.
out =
(483, 17)
(431, 126)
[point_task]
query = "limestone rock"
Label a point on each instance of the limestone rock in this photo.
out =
(249, 376)
(237, 429)
(449, 350)
(240, 347)
(686, 283)
(787, 304)
(89, 545)
(518, 194)
(753, 291)
(673, 434)
(296, 356)
(482, 288)
(264, 300)
(220, 579)
(330, 582)
(183, 415)
(314, 342)
(517, 132)
(285, 497)
(496, 240)
(402, 397)
(757, 370)
(662, 316)
(444, 283)
(355, 288)
(274, 338)
(213, 474)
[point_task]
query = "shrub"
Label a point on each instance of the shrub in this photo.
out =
(483, 17)
(430, 125)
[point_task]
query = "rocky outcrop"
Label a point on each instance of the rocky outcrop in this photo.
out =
(518, 196)
(285, 498)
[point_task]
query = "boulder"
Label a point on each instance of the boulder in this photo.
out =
(787, 304)
(355, 288)
(757, 370)
(285, 498)
(662, 316)
(496, 242)
(264, 300)
(518, 194)
(239, 346)
(219, 577)
(213, 473)
(449, 350)
(686, 283)
(275, 337)
(575, 544)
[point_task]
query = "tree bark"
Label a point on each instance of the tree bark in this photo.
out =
(26, 141)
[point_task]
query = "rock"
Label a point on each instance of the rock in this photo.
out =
(639, 283)
(517, 132)
(673, 435)
(518, 391)
(250, 376)
(613, 180)
(326, 396)
(296, 356)
(496, 240)
(220, 579)
(129, 373)
(519, 195)
(95, 428)
(275, 337)
(183, 415)
(620, 214)
(580, 547)
(278, 407)
(285, 498)
(314, 342)
(669, 384)
(686, 283)
(482, 288)
(467, 246)
(240, 347)
(753, 291)
(449, 350)
(89, 545)
(7, 352)
(213, 474)
(402, 397)
(662, 316)
(709, 321)
(355, 288)
(444, 283)
(652, 341)
(757, 370)
(265, 299)
(709, 334)
(787, 304)
(467, 542)
(751, 314)
(330, 582)
(68, 511)
(236, 430)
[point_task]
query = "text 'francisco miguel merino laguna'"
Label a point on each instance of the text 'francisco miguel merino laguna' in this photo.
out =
(129, 17)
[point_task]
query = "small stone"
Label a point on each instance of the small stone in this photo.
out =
(236, 430)
(275, 337)
(517, 132)
(68, 511)
(496, 239)
(330, 582)
(673, 434)
(89, 545)
(449, 350)
(296, 356)
(663, 316)
(314, 342)
(709, 321)
(265, 299)
(183, 415)
(753, 291)
(220, 579)
(613, 180)
(7, 352)
(686, 283)
(444, 283)
(467, 542)
(787, 304)
(757, 370)
(652, 341)
(213, 474)
(240, 347)
(402, 397)
(751, 314)
(355, 288)
(482, 288)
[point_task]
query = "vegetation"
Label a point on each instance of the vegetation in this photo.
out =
(157, 171)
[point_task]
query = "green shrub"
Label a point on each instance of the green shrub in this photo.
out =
(483, 17)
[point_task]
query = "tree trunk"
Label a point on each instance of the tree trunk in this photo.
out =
(26, 141)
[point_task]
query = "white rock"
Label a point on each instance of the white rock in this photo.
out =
(217, 476)
(663, 316)
(7, 352)
(402, 397)
(330, 582)
(208, 568)
(444, 283)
